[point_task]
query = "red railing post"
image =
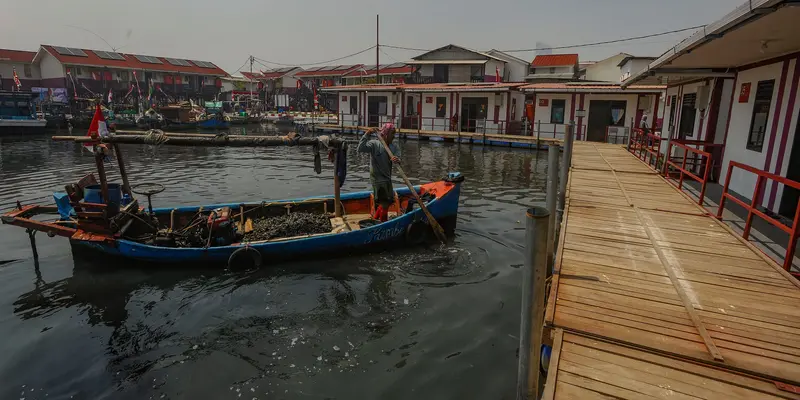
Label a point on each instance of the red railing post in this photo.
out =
(756, 200)
(705, 181)
(724, 192)
(790, 247)
(683, 168)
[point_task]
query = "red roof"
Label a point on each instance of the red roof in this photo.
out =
(266, 75)
(328, 71)
(17, 55)
(131, 62)
(594, 87)
(251, 75)
(404, 70)
(432, 87)
(555, 60)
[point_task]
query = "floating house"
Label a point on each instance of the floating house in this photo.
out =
(732, 90)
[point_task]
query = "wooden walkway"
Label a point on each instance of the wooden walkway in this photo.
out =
(645, 277)
(492, 139)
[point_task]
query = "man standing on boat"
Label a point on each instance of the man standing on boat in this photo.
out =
(380, 168)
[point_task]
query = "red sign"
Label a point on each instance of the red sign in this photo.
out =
(429, 100)
(344, 99)
(744, 94)
(544, 102)
(178, 80)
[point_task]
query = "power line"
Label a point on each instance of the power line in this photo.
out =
(243, 64)
(606, 42)
(627, 39)
(320, 62)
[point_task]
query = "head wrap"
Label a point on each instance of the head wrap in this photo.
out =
(386, 129)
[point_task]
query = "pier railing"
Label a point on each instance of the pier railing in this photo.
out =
(752, 208)
(647, 147)
(683, 170)
(698, 163)
(541, 130)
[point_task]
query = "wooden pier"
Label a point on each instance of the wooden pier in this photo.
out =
(652, 297)
(489, 139)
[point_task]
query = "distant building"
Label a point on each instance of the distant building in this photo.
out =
(22, 61)
(553, 68)
(331, 75)
(456, 64)
(93, 73)
(390, 73)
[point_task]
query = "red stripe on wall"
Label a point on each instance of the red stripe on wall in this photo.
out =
(775, 117)
(728, 122)
(785, 134)
(508, 111)
(654, 119)
(580, 119)
(679, 110)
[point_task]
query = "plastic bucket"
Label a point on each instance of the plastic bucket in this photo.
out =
(94, 194)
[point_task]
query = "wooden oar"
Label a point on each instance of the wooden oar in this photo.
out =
(437, 229)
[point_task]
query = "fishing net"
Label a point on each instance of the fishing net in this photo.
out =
(294, 224)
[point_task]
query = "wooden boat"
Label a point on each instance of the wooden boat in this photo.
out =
(17, 114)
(214, 121)
(119, 227)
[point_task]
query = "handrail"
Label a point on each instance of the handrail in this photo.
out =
(752, 208)
(685, 172)
(647, 145)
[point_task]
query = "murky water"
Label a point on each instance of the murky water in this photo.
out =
(419, 323)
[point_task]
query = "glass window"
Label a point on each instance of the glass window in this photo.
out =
(441, 107)
(557, 111)
(353, 105)
(28, 72)
(552, 70)
(758, 123)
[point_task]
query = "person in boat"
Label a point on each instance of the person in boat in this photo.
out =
(380, 168)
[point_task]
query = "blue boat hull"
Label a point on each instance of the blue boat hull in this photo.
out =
(444, 209)
(213, 123)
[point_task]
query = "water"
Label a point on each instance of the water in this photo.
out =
(424, 323)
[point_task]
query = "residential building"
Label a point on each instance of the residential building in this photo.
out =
(554, 68)
(330, 75)
(632, 64)
(22, 62)
(390, 73)
(456, 64)
(516, 69)
(283, 80)
(92, 73)
(607, 70)
(733, 91)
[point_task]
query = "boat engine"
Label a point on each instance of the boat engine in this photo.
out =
(220, 228)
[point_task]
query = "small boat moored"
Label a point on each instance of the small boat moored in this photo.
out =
(17, 114)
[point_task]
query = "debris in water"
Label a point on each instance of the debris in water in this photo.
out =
(194, 347)
(336, 348)
(294, 224)
(405, 301)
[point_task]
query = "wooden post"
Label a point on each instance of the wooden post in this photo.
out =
(126, 186)
(337, 202)
(101, 172)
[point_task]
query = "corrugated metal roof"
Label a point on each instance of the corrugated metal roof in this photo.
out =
(430, 87)
(394, 69)
(460, 62)
(555, 60)
(131, 62)
(587, 88)
(17, 55)
(333, 70)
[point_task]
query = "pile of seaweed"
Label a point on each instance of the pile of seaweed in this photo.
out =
(294, 224)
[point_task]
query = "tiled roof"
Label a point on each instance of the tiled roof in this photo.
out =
(331, 70)
(432, 87)
(387, 70)
(271, 74)
(131, 62)
(17, 55)
(555, 60)
(585, 88)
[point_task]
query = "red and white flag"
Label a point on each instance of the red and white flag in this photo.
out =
(497, 74)
(16, 79)
(109, 95)
(97, 128)
(95, 76)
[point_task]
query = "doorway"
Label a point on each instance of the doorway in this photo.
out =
(602, 114)
(792, 195)
(473, 113)
(376, 108)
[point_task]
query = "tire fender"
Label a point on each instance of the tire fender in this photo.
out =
(243, 255)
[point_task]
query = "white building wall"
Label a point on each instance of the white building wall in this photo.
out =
(491, 126)
(633, 66)
(558, 70)
(607, 70)
(542, 116)
(50, 67)
(7, 70)
(348, 119)
(741, 115)
(724, 110)
(489, 69)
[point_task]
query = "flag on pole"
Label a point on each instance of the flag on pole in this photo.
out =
(138, 89)
(129, 92)
(97, 128)
(109, 96)
(95, 76)
(497, 74)
(16, 79)
(74, 88)
(150, 91)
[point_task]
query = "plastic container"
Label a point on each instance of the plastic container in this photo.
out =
(93, 194)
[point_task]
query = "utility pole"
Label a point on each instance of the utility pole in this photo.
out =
(377, 48)
(252, 59)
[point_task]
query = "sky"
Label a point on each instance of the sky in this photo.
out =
(305, 32)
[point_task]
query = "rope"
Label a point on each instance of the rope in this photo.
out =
(155, 137)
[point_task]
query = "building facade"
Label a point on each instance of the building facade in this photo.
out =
(21, 62)
(456, 64)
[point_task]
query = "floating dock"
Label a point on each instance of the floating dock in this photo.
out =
(488, 139)
(652, 297)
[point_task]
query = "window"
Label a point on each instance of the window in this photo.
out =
(28, 72)
(78, 71)
(758, 124)
(557, 111)
(552, 70)
(533, 71)
(122, 75)
(441, 107)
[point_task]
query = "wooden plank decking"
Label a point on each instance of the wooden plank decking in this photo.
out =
(639, 263)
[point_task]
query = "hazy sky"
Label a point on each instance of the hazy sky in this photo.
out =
(305, 31)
